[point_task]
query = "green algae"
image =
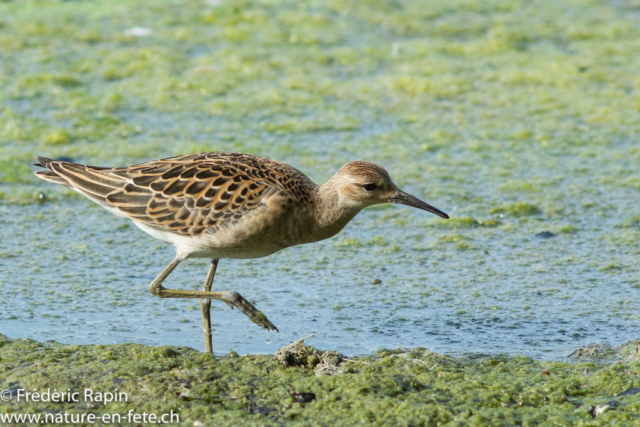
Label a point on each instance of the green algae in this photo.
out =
(350, 243)
(507, 86)
(14, 171)
(392, 387)
(465, 222)
(517, 209)
(528, 110)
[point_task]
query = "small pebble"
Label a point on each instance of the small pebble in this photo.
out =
(545, 235)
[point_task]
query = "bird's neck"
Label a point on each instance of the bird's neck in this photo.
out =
(331, 212)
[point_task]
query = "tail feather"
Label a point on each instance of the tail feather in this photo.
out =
(52, 177)
(73, 172)
(43, 162)
(93, 182)
(86, 180)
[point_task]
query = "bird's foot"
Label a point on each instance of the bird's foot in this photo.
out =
(234, 299)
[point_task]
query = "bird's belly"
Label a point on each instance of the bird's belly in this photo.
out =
(243, 240)
(233, 252)
(237, 245)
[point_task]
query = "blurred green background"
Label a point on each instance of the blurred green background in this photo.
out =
(499, 99)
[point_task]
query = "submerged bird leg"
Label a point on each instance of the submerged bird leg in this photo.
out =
(205, 307)
(233, 299)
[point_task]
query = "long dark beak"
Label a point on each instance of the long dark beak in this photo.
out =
(403, 198)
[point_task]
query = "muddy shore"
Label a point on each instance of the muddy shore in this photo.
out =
(311, 387)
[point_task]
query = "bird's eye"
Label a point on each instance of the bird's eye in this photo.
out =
(370, 187)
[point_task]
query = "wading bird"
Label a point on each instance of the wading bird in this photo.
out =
(229, 205)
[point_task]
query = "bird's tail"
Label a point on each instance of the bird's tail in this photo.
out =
(49, 175)
(93, 182)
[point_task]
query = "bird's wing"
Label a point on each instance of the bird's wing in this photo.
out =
(187, 195)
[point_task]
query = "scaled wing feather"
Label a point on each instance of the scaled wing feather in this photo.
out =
(187, 195)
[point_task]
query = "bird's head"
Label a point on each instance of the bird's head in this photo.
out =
(365, 184)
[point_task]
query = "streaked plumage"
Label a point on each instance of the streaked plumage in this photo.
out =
(229, 205)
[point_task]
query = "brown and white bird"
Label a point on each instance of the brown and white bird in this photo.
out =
(229, 205)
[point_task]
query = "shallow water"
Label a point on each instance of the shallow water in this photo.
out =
(74, 273)
(517, 118)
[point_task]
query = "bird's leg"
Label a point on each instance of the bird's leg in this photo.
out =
(233, 299)
(205, 307)
(157, 282)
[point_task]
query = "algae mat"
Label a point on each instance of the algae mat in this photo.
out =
(521, 119)
(403, 387)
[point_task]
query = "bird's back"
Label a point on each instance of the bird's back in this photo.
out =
(190, 195)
